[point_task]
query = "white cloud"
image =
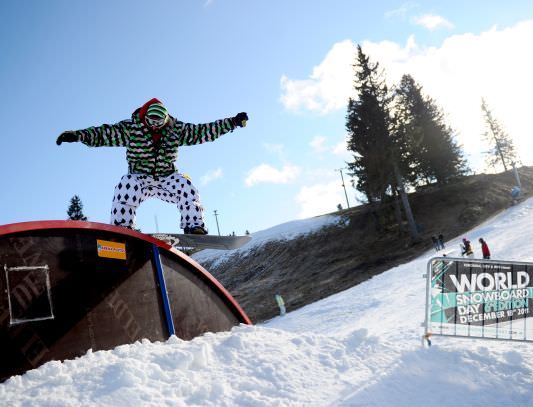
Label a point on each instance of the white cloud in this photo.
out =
(317, 144)
(265, 173)
(319, 199)
(401, 11)
(320, 146)
(326, 89)
(211, 176)
(495, 64)
(341, 150)
(433, 22)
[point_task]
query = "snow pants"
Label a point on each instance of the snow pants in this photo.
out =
(175, 188)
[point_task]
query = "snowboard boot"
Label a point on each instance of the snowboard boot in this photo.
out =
(195, 230)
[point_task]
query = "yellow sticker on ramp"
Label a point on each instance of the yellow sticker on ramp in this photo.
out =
(111, 250)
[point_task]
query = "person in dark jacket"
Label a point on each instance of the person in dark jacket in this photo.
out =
(484, 249)
(441, 241)
(152, 137)
(466, 248)
(435, 243)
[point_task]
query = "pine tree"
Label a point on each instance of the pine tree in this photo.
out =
(375, 153)
(427, 147)
(75, 210)
(502, 150)
(367, 123)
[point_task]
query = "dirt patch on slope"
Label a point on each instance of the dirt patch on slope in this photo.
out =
(338, 257)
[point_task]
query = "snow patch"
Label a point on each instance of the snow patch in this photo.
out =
(285, 231)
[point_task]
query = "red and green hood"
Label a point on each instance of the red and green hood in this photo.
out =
(141, 111)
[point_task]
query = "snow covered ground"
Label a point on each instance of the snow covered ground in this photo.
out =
(285, 231)
(361, 347)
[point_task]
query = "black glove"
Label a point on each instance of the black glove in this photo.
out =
(240, 119)
(67, 137)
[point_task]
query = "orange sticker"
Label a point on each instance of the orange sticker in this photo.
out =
(112, 250)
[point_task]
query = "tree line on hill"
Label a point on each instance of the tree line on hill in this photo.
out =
(399, 140)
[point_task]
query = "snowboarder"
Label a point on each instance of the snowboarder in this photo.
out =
(466, 248)
(152, 137)
(441, 241)
(484, 249)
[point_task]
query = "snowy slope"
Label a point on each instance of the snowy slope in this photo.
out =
(361, 347)
(285, 231)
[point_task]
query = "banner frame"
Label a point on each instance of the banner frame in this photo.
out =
(428, 276)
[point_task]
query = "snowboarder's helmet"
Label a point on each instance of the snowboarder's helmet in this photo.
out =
(156, 115)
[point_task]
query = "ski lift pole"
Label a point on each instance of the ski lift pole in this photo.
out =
(517, 177)
(406, 206)
(344, 186)
(216, 218)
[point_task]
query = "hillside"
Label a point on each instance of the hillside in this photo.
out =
(350, 251)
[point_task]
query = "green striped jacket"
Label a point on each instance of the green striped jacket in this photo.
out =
(143, 155)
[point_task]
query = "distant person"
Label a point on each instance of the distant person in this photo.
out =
(435, 243)
(441, 241)
(466, 248)
(281, 304)
(484, 249)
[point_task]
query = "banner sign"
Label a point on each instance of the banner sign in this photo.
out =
(480, 298)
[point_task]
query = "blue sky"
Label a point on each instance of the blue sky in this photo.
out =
(73, 64)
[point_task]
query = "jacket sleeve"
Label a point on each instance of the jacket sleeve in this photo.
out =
(108, 135)
(190, 134)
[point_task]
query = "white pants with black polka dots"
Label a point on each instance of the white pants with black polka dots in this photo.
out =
(175, 188)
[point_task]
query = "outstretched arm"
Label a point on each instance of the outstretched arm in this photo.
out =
(110, 135)
(201, 133)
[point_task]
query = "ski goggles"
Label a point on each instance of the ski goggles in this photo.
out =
(156, 122)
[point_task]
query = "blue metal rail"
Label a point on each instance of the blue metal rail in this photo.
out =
(164, 292)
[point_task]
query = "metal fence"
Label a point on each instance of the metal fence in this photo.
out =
(479, 298)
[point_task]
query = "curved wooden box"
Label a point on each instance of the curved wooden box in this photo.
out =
(71, 286)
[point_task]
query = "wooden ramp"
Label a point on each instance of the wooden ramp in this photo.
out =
(70, 286)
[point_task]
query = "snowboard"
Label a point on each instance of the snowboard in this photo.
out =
(179, 240)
